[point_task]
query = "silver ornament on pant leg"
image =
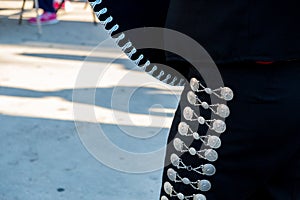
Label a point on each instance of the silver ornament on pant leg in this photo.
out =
(204, 185)
(214, 141)
(175, 160)
(168, 188)
(211, 155)
(205, 105)
(219, 126)
(226, 93)
(201, 120)
(194, 83)
(180, 196)
(223, 110)
(178, 144)
(208, 91)
(192, 98)
(192, 151)
(172, 174)
(164, 198)
(208, 169)
(183, 128)
(188, 113)
(199, 197)
(196, 136)
(186, 181)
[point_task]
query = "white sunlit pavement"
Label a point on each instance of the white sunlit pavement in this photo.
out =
(41, 155)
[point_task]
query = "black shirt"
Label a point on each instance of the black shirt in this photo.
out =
(237, 30)
(232, 30)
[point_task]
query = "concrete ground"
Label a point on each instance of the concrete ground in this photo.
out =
(42, 156)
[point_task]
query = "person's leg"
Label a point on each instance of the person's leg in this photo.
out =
(49, 15)
(47, 5)
(261, 139)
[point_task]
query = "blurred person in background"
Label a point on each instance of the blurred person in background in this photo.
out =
(50, 8)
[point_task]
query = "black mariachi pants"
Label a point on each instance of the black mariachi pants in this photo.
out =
(260, 154)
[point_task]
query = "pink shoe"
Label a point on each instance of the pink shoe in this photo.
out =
(45, 18)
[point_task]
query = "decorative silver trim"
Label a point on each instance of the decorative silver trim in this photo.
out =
(122, 36)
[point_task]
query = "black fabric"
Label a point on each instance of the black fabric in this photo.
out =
(229, 30)
(132, 14)
(47, 5)
(259, 157)
(234, 30)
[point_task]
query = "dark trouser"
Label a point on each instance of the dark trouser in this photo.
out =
(47, 5)
(260, 154)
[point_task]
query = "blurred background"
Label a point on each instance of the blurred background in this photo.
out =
(41, 154)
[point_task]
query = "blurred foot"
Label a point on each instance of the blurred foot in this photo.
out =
(67, 6)
(45, 18)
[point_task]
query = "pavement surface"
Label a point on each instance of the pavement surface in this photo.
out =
(42, 156)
